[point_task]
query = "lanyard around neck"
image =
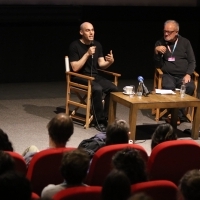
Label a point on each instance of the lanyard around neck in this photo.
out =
(173, 47)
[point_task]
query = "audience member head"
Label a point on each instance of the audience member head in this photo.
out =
(117, 133)
(60, 129)
(5, 144)
(190, 185)
(7, 162)
(131, 163)
(140, 196)
(117, 186)
(164, 132)
(74, 166)
(14, 186)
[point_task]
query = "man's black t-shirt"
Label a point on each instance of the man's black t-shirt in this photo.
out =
(76, 51)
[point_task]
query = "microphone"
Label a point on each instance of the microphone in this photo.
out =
(141, 80)
(91, 45)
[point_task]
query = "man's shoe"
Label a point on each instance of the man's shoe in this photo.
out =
(100, 127)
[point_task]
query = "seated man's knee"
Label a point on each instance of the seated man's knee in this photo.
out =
(114, 88)
(190, 87)
(97, 89)
(168, 83)
(168, 86)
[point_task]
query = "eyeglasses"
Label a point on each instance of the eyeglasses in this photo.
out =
(168, 32)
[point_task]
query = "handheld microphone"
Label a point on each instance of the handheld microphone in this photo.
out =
(141, 80)
(91, 45)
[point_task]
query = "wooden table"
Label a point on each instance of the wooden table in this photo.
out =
(173, 101)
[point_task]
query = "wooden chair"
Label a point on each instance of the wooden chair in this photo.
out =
(44, 168)
(83, 94)
(170, 160)
(157, 190)
(101, 163)
(157, 84)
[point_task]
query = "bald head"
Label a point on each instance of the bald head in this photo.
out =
(85, 25)
(87, 32)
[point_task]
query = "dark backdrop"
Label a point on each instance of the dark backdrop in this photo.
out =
(34, 39)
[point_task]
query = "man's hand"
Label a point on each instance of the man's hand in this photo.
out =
(91, 50)
(109, 58)
(160, 49)
(187, 78)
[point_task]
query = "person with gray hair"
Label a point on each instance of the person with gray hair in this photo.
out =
(174, 55)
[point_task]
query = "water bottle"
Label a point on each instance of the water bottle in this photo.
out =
(140, 90)
(182, 89)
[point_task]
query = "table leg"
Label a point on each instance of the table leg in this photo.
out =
(132, 121)
(112, 110)
(174, 117)
(196, 123)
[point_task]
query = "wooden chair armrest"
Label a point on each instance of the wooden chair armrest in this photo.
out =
(80, 75)
(159, 71)
(195, 74)
(109, 72)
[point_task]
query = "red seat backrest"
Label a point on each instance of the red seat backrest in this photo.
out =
(34, 196)
(44, 168)
(158, 189)
(172, 159)
(20, 164)
(101, 162)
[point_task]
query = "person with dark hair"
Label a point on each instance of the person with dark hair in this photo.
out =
(86, 56)
(189, 185)
(140, 196)
(116, 186)
(5, 143)
(164, 132)
(131, 163)
(74, 167)
(7, 162)
(117, 133)
(174, 55)
(60, 128)
(14, 186)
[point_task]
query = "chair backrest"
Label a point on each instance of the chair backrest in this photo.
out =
(81, 192)
(158, 190)
(101, 163)
(20, 164)
(67, 66)
(44, 168)
(170, 160)
(34, 196)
